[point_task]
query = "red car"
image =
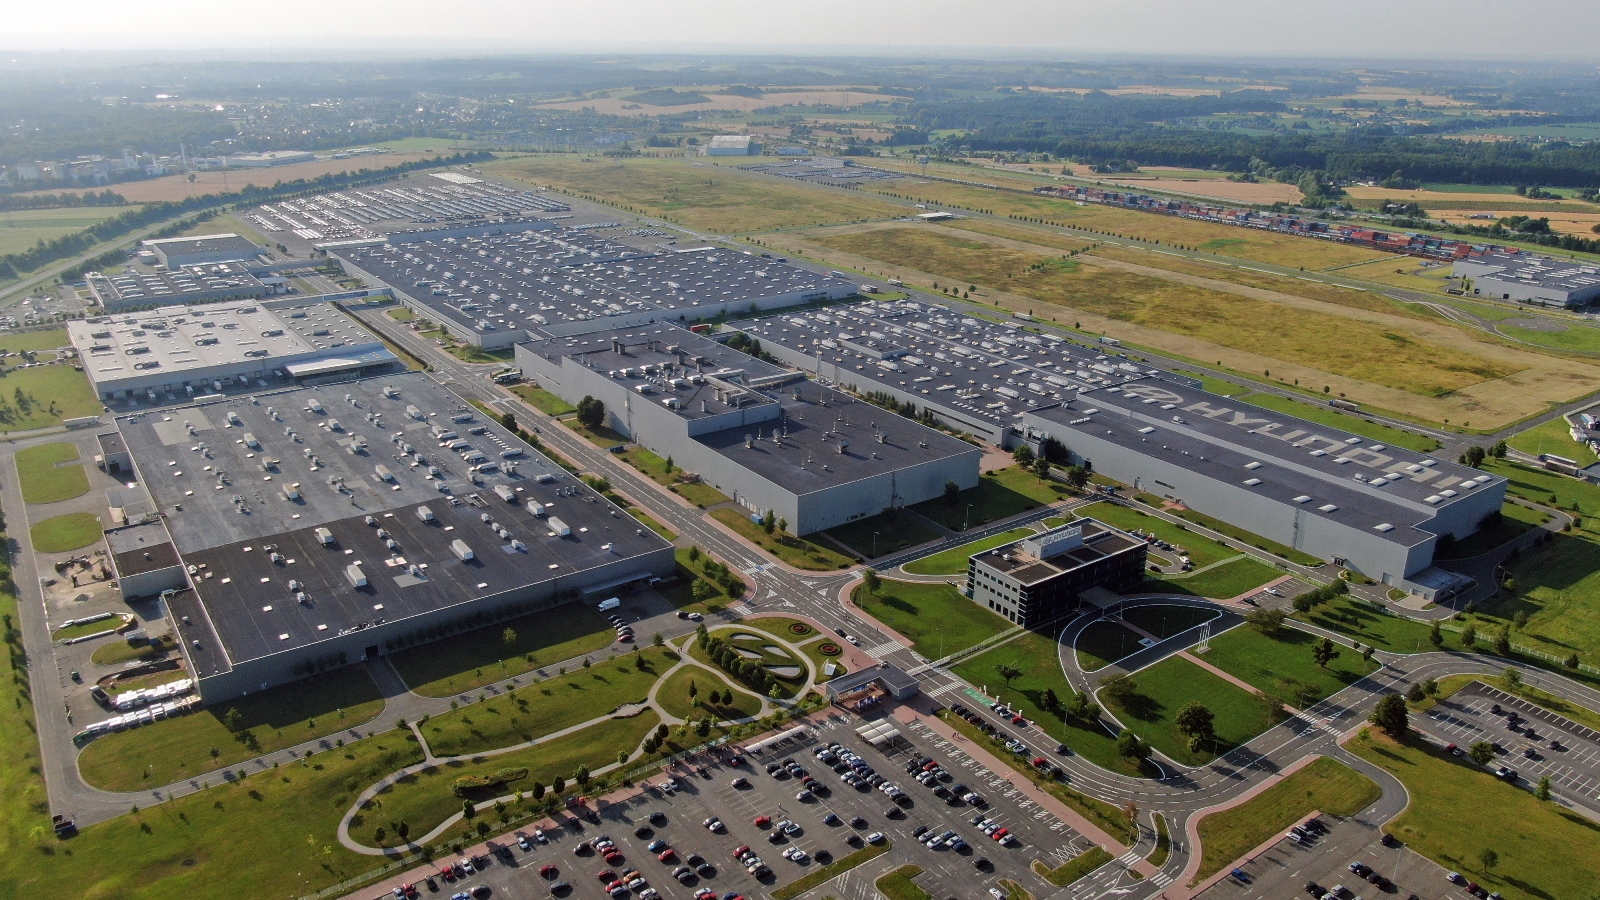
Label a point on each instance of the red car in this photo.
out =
(1000, 834)
(668, 855)
(447, 873)
(625, 638)
(763, 821)
(613, 859)
(1038, 760)
(549, 872)
(741, 851)
(1018, 720)
(606, 875)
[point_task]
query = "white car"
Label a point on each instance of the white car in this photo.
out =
(997, 894)
(853, 641)
(875, 838)
(714, 824)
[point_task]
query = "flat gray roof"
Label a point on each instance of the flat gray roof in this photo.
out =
(1099, 541)
(1540, 271)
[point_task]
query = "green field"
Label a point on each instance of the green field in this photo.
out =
(44, 479)
(1227, 580)
(1162, 689)
(1374, 627)
(1554, 436)
(424, 799)
(180, 748)
(1333, 418)
(712, 198)
(35, 341)
(884, 533)
(23, 228)
(63, 533)
(1164, 621)
(802, 553)
(1326, 785)
(1215, 385)
(543, 400)
(465, 662)
(1244, 537)
(1328, 342)
(545, 707)
(954, 560)
(934, 617)
(675, 700)
(1004, 494)
(898, 884)
(1458, 809)
(1282, 665)
(54, 393)
(1558, 586)
(1544, 486)
(700, 494)
(1103, 643)
(1073, 869)
(1203, 551)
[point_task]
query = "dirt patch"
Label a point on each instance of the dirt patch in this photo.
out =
(1539, 324)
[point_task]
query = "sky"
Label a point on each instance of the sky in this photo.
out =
(1533, 30)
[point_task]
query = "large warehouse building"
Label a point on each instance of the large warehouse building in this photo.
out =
(308, 527)
(168, 354)
(1379, 510)
(768, 438)
(201, 249)
(495, 286)
(1501, 274)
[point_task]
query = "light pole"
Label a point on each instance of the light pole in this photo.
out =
(874, 545)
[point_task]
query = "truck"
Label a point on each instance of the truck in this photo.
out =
(611, 603)
(506, 376)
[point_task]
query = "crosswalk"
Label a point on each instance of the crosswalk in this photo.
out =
(885, 649)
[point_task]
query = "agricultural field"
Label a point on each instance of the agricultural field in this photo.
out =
(1425, 369)
(21, 229)
(222, 181)
(700, 196)
(681, 100)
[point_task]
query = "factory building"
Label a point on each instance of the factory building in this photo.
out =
(268, 159)
(1515, 275)
(733, 145)
(189, 285)
(1041, 579)
(1377, 509)
(309, 527)
(172, 353)
(766, 437)
(175, 253)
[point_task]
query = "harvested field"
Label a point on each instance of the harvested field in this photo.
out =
(628, 105)
(710, 197)
(178, 187)
(1361, 350)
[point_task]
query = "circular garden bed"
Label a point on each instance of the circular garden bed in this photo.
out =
(799, 628)
(829, 649)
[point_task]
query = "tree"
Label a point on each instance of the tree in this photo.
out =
(870, 578)
(591, 412)
(1502, 643)
(508, 421)
(701, 590)
(1489, 858)
(538, 790)
(769, 522)
(468, 810)
(233, 720)
(1050, 702)
(1197, 721)
(1041, 467)
(1117, 688)
(1498, 451)
(1267, 621)
(1435, 636)
(1390, 715)
(1474, 456)
(509, 637)
(694, 690)
(403, 829)
(783, 524)
(1023, 455)
(1367, 652)
(582, 777)
(1542, 792)
(952, 491)
(1130, 747)
(1416, 693)
(1323, 652)
(558, 785)
(1077, 477)
(1512, 678)
(657, 640)
(1481, 752)
(1469, 637)
(1571, 661)
(1008, 672)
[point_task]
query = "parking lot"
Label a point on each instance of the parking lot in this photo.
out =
(1572, 763)
(1290, 868)
(833, 822)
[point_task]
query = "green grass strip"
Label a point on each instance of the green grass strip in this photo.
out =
(897, 885)
(1074, 868)
(831, 870)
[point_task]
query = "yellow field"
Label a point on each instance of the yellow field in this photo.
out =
(1582, 224)
(1224, 240)
(1172, 179)
(178, 187)
(713, 198)
(1430, 370)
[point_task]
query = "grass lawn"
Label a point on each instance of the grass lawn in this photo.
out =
(23, 228)
(49, 339)
(681, 592)
(652, 524)
(602, 436)
(1458, 809)
(1282, 665)
(115, 653)
(935, 617)
(1558, 586)
(543, 707)
(954, 560)
(24, 808)
(897, 885)
(55, 392)
(63, 533)
(1354, 424)
(1375, 628)
(543, 400)
(830, 871)
(1166, 621)
(1005, 493)
(1554, 436)
(1162, 689)
(1074, 868)
(424, 799)
(43, 480)
(795, 551)
(1203, 551)
(1254, 540)
(1158, 856)
(1326, 784)
(674, 696)
(820, 660)
(892, 535)
(1215, 385)
(1515, 520)
(279, 717)
(1227, 580)
(1544, 486)
(700, 494)
(464, 662)
(400, 313)
(86, 628)
(768, 653)
(1103, 643)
